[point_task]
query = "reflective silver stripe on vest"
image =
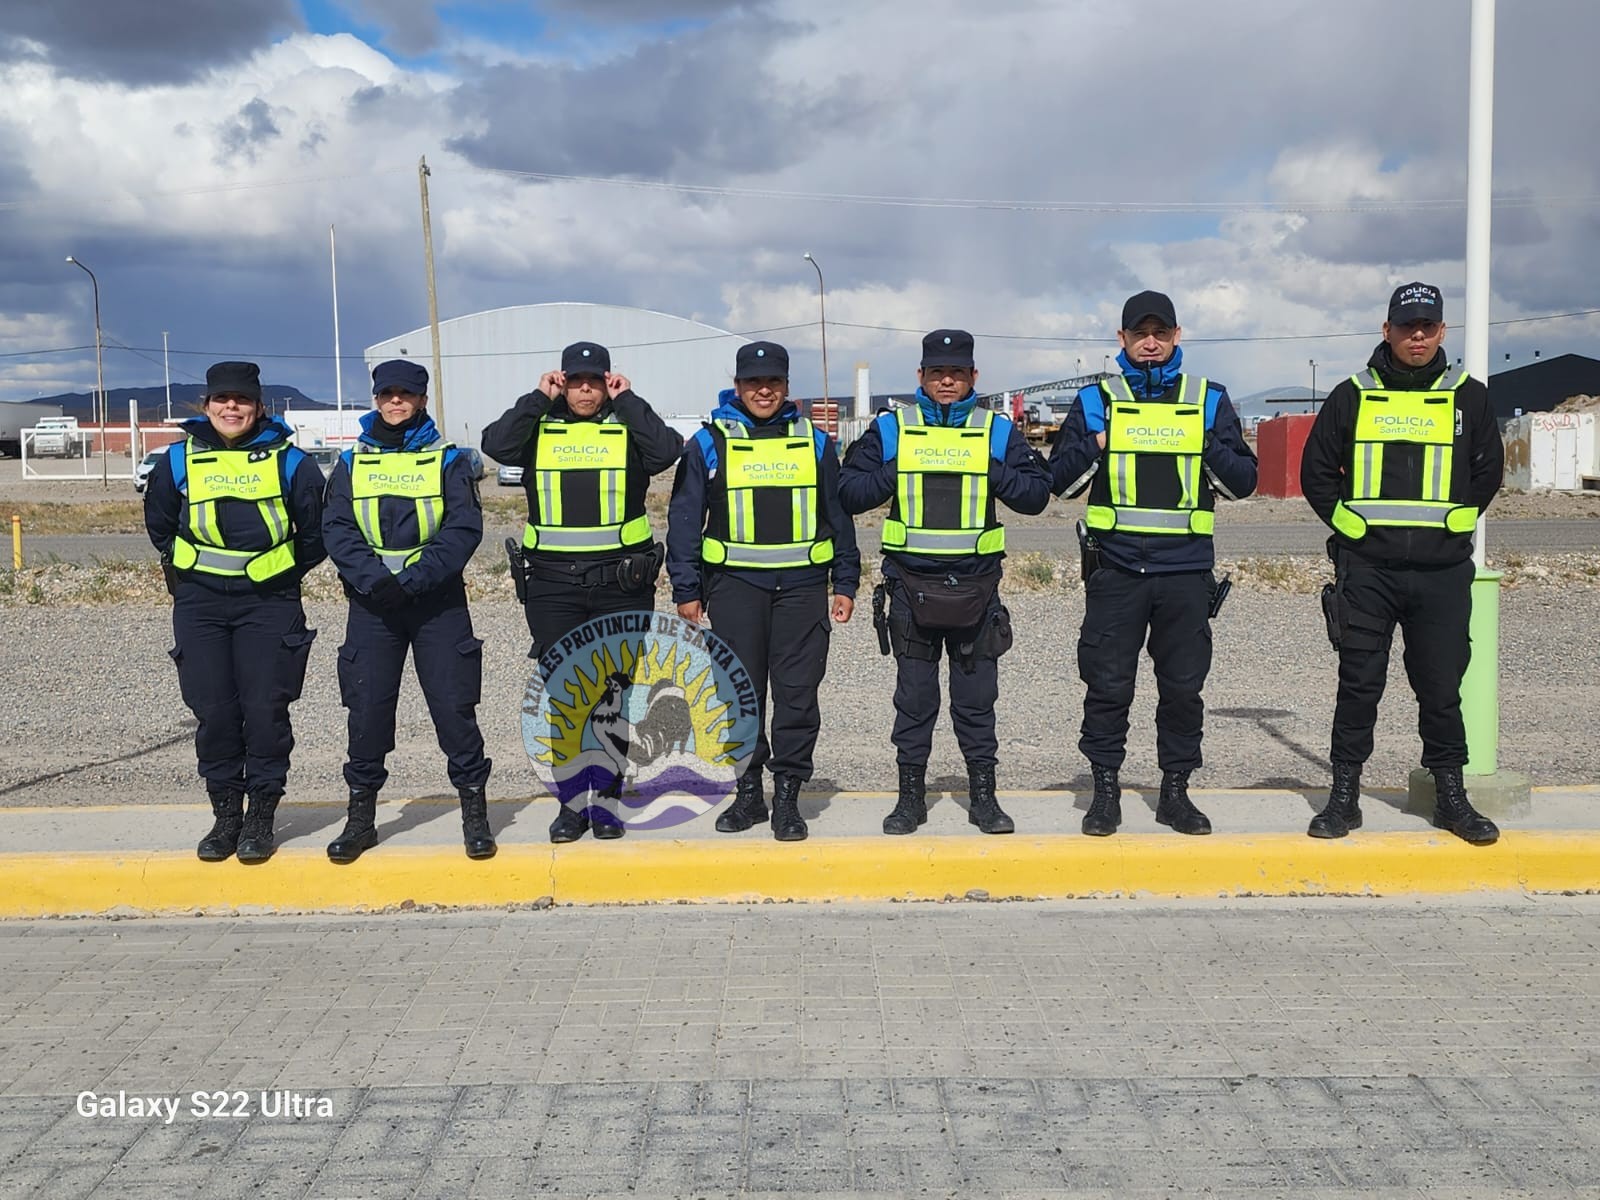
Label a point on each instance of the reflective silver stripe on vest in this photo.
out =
(394, 560)
(768, 556)
(1153, 518)
(578, 539)
(942, 541)
(1368, 381)
(1119, 390)
(221, 562)
(1412, 512)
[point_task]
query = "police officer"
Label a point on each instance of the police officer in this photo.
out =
(236, 513)
(1154, 446)
(942, 463)
(1400, 462)
(754, 531)
(588, 447)
(401, 520)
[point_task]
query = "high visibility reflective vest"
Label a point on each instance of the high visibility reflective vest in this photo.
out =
(763, 508)
(1401, 469)
(414, 475)
(1153, 480)
(942, 504)
(251, 475)
(579, 497)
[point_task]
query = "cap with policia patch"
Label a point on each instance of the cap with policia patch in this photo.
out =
(586, 358)
(947, 348)
(1415, 302)
(761, 360)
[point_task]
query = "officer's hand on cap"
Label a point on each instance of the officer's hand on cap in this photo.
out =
(553, 384)
(389, 592)
(692, 610)
(843, 606)
(617, 384)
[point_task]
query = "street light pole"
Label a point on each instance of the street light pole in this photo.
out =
(99, 371)
(1313, 363)
(822, 312)
(166, 366)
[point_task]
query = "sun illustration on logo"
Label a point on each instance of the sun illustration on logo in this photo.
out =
(640, 719)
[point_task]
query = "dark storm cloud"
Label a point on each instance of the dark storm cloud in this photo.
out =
(141, 42)
(691, 103)
(251, 127)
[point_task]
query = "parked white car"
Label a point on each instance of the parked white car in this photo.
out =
(146, 465)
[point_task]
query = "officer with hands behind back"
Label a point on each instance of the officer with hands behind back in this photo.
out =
(1154, 446)
(754, 531)
(236, 512)
(401, 520)
(942, 463)
(588, 447)
(1400, 463)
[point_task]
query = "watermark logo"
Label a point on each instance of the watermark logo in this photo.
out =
(640, 719)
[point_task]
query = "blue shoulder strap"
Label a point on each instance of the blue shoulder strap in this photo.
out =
(1213, 399)
(1092, 402)
(708, 448)
(349, 459)
(999, 437)
(178, 456)
(292, 458)
(819, 438)
(889, 434)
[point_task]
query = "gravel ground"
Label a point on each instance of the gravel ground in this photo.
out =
(97, 716)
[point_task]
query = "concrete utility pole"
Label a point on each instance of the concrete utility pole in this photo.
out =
(338, 363)
(99, 371)
(822, 313)
(433, 296)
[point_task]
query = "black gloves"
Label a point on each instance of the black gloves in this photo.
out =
(388, 593)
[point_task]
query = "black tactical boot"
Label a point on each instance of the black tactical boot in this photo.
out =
(912, 808)
(749, 805)
(255, 837)
(228, 809)
(475, 834)
(360, 831)
(1453, 811)
(1105, 810)
(787, 824)
(1343, 811)
(984, 810)
(606, 824)
(570, 825)
(1176, 809)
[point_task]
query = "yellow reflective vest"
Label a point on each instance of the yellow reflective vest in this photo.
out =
(579, 498)
(253, 476)
(1152, 480)
(1401, 471)
(942, 505)
(763, 507)
(414, 476)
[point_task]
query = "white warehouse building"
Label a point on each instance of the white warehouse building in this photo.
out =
(490, 358)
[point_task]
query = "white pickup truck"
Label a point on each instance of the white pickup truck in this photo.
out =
(59, 437)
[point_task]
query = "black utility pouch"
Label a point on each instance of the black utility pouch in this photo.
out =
(949, 601)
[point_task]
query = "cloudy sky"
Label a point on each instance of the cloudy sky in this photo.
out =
(1016, 167)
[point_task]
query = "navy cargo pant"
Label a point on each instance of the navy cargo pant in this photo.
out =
(557, 604)
(974, 681)
(437, 630)
(241, 663)
(782, 639)
(1433, 608)
(1121, 610)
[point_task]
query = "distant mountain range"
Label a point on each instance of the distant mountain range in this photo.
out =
(153, 401)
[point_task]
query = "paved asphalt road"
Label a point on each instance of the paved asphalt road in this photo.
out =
(1546, 536)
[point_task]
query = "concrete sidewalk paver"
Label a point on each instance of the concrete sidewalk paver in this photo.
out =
(1333, 1048)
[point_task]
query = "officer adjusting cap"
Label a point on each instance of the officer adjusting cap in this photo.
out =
(947, 348)
(234, 378)
(761, 360)
(586, 358)
(1415, 302)
(401, 375)
(1149, 304)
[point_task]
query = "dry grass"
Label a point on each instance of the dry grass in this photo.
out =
(48, 517)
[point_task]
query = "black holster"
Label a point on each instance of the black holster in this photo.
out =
(519, 569)
(169, 575)
(1330, 612)
(637, 572)
(994, 638)
(1088, 551)
(880, 616)
(1219, 595)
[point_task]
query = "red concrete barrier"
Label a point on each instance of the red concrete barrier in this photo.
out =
(1279, 444)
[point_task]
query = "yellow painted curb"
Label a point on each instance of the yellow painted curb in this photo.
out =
(926, 868)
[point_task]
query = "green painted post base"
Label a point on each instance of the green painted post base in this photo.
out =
(1480, 687)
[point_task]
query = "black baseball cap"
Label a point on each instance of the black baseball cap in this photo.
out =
(586, 358)
(947, 348)
(234, 378)
(1415, 302)
(761, 360)
(401, 375)
(1149, 304)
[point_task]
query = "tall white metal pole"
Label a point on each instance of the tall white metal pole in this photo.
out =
(338, 363)
(166, 367)
(1480, 174)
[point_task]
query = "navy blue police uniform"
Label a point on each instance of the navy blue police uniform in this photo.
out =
(1400, 463)
(943, 468)
(1173, 445)
(237, 528)
(401, 520)
(587, 549)
(755, 531)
